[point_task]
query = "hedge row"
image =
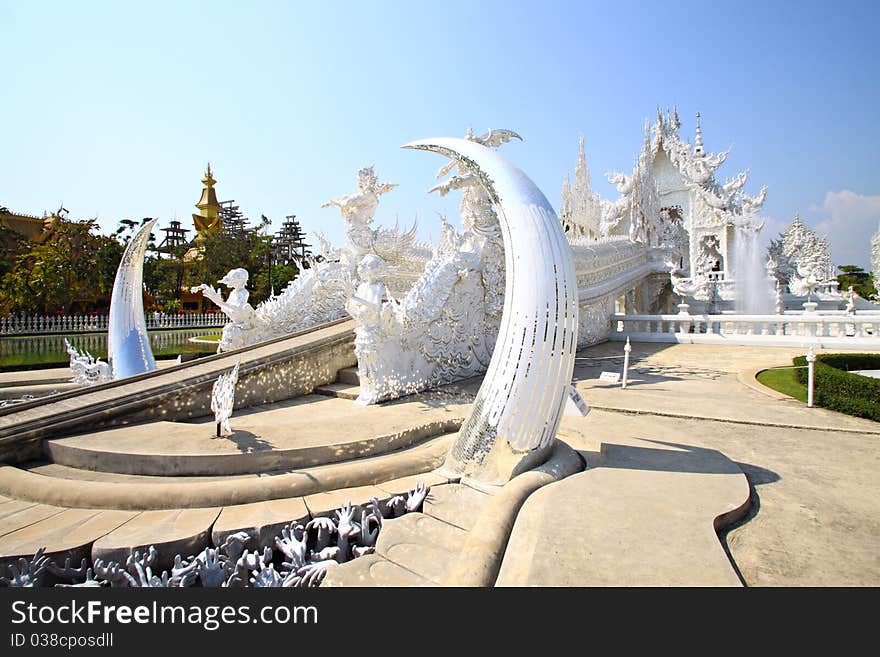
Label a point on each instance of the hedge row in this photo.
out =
(835, 388)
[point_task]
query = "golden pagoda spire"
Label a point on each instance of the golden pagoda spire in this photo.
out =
(208, 219)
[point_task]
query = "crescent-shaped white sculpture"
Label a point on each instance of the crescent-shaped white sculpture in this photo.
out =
(128, 345)
(517, 411)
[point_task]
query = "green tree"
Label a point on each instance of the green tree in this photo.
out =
(12, 245)
(69, 272)
(862, 281)
(223, 251)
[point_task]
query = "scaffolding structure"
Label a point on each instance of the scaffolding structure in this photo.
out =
(231, 218)
(175, 238)
(289, 242)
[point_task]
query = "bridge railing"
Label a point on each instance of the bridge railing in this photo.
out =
(672, 328)
(48, 324)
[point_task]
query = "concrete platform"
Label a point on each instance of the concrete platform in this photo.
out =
(184, 531)
(262, 520)
(646, 517)
(340, 390)
(297, 433)
(68, 535)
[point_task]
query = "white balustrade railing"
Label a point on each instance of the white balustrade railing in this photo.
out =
(758, 329)
(51, 346)
(47, 324)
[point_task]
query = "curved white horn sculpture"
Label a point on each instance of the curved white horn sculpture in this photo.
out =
(128, 345)
(517, 411)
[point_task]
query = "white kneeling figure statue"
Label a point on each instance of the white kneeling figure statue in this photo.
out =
(240, 329)
(374, 317)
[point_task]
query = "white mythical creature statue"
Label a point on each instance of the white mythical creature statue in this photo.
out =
(241, 329)
(357, 210)
(86, 369)
(376, 325)
(699, 287)
(320, 291)
(808, 278)
(443, 329)
(223, 398)
(850, 296)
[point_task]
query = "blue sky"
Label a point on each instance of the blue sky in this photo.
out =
(114, 108)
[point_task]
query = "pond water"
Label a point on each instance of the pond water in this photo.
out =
(28, 351)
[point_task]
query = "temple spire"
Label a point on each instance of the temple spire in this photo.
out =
(698, 140)
(208, 219)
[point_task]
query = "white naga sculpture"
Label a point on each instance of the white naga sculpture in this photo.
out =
(320, 291)
(242, 327)
(444, 328)
(86, 369)
(223, 398)
(128, 344)
(518, 408)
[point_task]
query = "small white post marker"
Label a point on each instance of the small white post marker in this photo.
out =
(811, 358)
(626, 349)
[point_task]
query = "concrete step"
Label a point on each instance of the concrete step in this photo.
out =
(263, 521)
(349, 375)
(455, 504)
(173, 449)
(421, 544)
(67, 487)
(340, 390)
(178, 531)
(68, 534)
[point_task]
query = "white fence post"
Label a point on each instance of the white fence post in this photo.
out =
(626, 349)
(811, 358)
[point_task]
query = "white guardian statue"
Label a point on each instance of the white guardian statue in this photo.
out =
(241, 330)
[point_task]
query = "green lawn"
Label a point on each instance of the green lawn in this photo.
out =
(784, 381)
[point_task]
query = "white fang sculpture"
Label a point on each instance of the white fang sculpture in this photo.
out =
(128, 345)
(223, 398)
(517, 411)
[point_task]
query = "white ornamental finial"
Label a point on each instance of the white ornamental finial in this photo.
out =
(698, 140)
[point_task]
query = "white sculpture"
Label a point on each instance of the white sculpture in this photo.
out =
(374, 326)
(580, 212)
(850, 296)
(358, 209)
(799, 253)
(86, 369)
(242, 329)
(875, 259)
(223, 398)
(444, 327)
(128, 344)
(804, 283)
(320, 291)
(520, 404)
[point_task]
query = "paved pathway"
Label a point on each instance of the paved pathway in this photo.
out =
(815, 517)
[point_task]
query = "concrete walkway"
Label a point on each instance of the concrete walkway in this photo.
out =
(814, 474)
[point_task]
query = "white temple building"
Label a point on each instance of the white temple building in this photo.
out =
(672, 200)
